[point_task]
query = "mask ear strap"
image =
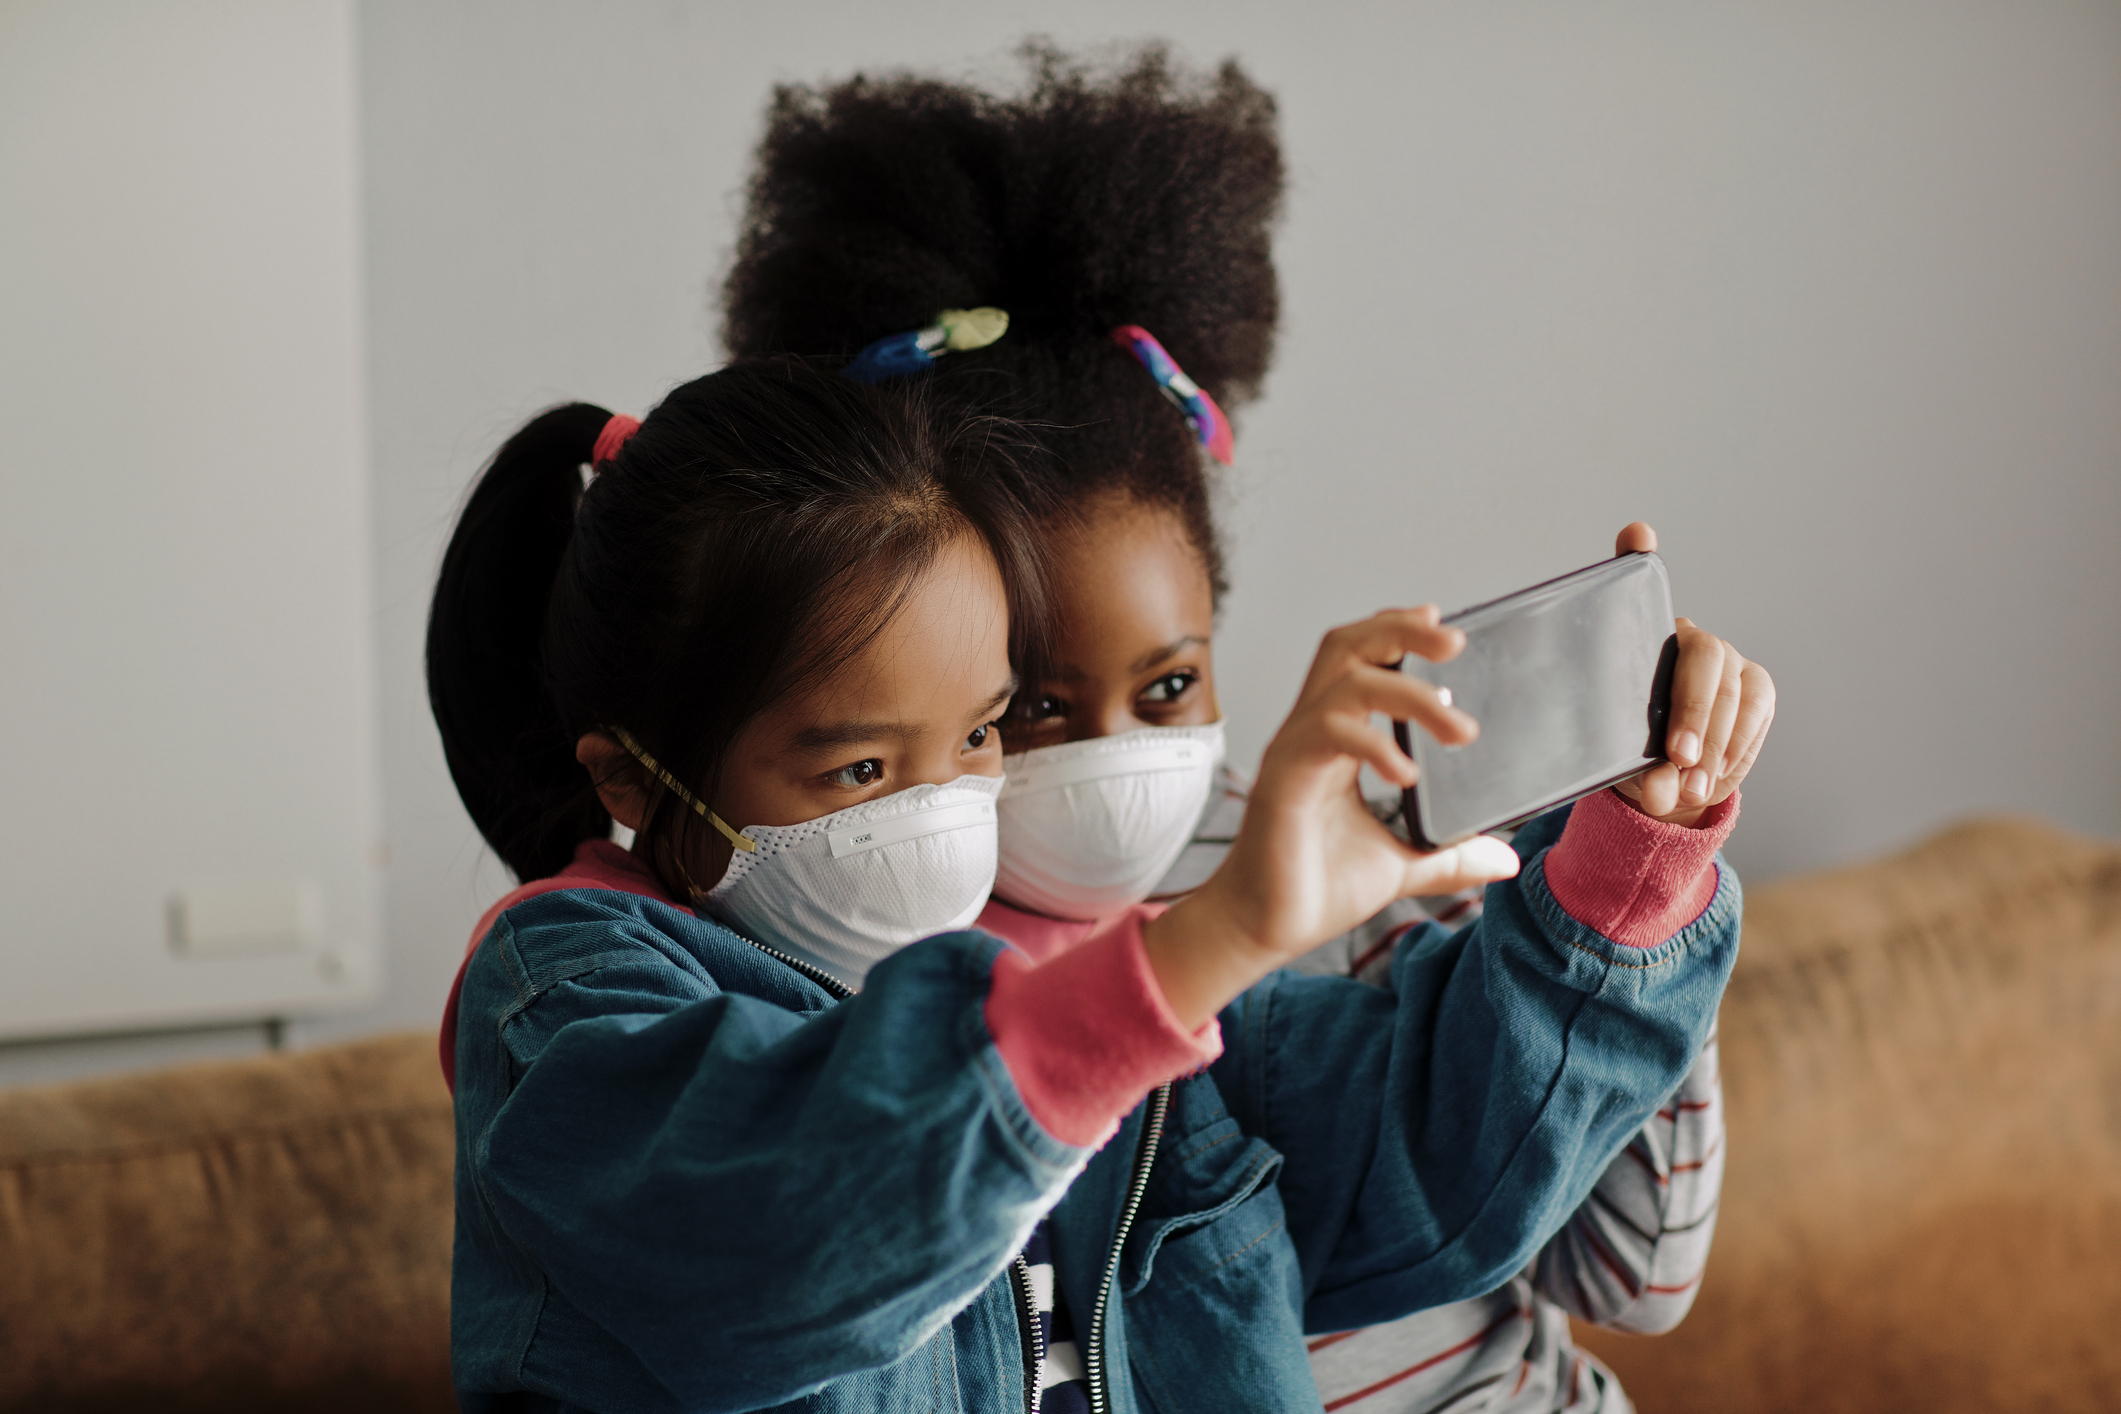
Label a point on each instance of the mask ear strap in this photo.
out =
(640, 753)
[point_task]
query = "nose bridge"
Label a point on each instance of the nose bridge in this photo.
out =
(1111, 713)
(933, 768)
(937, 761)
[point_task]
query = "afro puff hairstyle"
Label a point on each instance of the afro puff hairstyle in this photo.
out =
(1144, 195)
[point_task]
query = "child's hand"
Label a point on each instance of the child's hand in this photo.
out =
(1310, 861)
(1722, 706)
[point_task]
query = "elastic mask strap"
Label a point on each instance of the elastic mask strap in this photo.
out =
(640, 754)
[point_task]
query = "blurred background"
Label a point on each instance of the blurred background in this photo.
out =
(1830, 294)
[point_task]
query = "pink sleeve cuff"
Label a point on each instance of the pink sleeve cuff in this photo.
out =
(1635, 880)
(1089, 1033)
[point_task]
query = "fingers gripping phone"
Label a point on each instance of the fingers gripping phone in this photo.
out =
(1571, 682)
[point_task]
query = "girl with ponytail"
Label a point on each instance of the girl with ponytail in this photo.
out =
(747, 1115)
(1440, 1070)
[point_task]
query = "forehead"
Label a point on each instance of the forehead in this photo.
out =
(944, 652)
(1128, 571)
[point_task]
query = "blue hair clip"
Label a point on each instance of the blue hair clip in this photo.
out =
(902, 355)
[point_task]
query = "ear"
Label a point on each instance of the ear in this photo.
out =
(613, 769)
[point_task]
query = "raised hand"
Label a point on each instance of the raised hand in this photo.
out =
(1310, 861)
(1722, 707)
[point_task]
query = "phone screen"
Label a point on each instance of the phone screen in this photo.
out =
(1570, 681)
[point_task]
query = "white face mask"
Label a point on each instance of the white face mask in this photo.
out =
(849, 889)
(1090, 826)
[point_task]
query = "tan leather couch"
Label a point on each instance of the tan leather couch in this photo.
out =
(1922, 1063)
(266, 1234)
(1923, 1211)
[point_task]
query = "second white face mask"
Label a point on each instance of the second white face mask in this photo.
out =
(1089, 827)
(848, 889)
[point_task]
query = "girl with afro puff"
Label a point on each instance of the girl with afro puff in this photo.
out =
(1144, 198)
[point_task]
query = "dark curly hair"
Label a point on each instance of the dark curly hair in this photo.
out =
(1143, 195)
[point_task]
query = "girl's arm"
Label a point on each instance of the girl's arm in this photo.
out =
(1437, 1131)
(1631, 1257)
(1632, 1254)
(680, 1163)
(1436, 1134)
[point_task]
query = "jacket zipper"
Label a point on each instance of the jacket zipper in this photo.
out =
(1034, 1333)
(1144, 1160)
(840, 990)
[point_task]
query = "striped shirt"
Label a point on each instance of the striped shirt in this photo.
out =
(1631, 1257)
(1061, 1387)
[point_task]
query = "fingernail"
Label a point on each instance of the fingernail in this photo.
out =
(1697, 784)
(1686, 748)
(1488, 857)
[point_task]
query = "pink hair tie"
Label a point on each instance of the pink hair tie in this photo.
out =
(614, 436)
(1209, 424)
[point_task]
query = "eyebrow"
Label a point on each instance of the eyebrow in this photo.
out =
(825, 736)
(828, 735)
(993, 705)
(1164, 654)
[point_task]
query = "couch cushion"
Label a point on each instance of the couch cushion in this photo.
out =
(1922, 1061)
(269, 1233)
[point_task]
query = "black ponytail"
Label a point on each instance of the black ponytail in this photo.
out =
(508, 748)
(761, 526)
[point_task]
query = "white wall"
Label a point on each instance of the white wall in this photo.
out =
(185, 605)
(1829, 293)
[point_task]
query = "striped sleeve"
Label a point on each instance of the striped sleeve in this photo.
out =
(1631, 1257)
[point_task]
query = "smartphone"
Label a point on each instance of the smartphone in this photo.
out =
(1571, 682)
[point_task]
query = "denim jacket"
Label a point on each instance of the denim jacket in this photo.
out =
(690, 1177)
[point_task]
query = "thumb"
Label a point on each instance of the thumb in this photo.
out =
(1480, 860)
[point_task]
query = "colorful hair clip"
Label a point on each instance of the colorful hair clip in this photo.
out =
(900, 355)
(1187, 396)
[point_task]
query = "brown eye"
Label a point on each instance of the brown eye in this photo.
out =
(1038, 709)
(979, 737)
(1170, 687)
(859, 775)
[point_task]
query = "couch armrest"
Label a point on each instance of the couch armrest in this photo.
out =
(264, 1233)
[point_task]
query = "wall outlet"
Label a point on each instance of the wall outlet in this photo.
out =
(245, 920)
